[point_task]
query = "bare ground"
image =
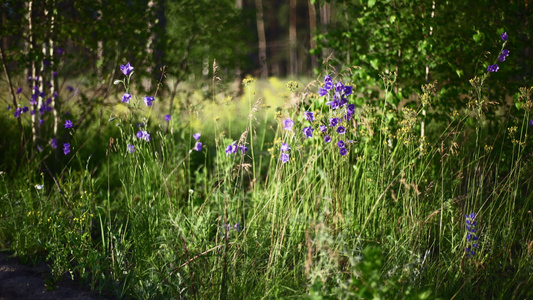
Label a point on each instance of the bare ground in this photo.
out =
(19, 281)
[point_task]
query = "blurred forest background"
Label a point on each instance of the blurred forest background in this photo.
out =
(421, 40)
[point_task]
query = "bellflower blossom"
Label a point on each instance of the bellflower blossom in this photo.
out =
(322, 128)
(167, 118)
(341, 130)
(131, 148)
(288, 123)
(66, 148)
(141, 134)
(340, 144)
(328, 83)
(285, 147)
(126, 98)
(198, 146)
(148, 100)
(284, 157)
(68, 124)
(19, 90)
(308, 131)
(243, 149)
(327, 139)
(309, 116)
(53, 143)
(126, 69)
(343, 151)
(232, 148)
(504, 54)
(196, 136)
(504, 36)
(493, 68)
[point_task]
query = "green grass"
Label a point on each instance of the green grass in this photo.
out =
(386, 220)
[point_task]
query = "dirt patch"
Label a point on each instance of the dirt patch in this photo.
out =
(19, 281)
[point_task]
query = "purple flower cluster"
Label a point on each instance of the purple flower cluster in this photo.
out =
(341, 111)
(66, 148)
(471, 235)
(198, 145)
(284, 152)
(232, 148)
(494, 68)
(142, 134)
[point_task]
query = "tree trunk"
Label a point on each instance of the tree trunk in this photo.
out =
(53, 68)
(325, 17)
(262, 38)
(149, 49)
(293, 69)
(312, 32)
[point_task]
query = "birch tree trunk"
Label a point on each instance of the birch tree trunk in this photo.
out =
(262, 38)
(312, 32)
(292, 39)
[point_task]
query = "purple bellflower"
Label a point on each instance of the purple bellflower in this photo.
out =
(126, 69)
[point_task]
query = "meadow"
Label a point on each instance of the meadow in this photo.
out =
(300, 189)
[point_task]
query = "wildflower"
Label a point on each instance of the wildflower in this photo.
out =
(327, 139)
(343, 151)
(25, 109)
(284, 157)
(343, 101)
(339, 87)
(39, 186)
(243, 149)
(504, 54)
(126, 69)
(60, 51)
(285, 147)
(288, 123)
(54, 74)
(237, 227)
(333, 122)
(340, 144)
(53, 143)
(493, 68)
(232, 148)
(322, 128)
(328, 83)
(196, 136)
(39, 148)
(504, 36)
(471, 237)
(131, 148)
(309, 116)
(308, 131)
(126, 98)
(198, 146)
(41, 121)
(66, 148)
(68, 124)
(167, 118)
(9, 107)
(531, 122)
(341, 130)
(18, 112)
(350, 108)
(348, 90)
(19, 90)
(141, 134)
(70, 88)
(322, 92)
(148, 100)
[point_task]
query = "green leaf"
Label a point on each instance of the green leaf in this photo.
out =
(371, 3)
(392, 19)
(518, 105)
